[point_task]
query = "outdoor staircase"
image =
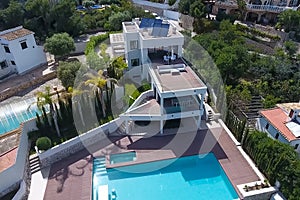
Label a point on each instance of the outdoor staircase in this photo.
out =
(210, 115)
(100, 171)
(122, 128)
(34, 164)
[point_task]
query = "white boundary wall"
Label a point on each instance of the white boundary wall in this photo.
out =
(78, 143)
(13, 175)
(171, 14)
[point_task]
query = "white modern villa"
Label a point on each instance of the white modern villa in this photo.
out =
(19, 51)
(282, 123)
(153, 51)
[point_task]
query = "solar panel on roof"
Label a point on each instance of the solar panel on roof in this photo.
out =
(157, 21)
(156, 30)
(151, 22)
(164, 30)
(144, 23)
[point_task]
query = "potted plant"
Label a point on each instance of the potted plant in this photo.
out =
(246, 188)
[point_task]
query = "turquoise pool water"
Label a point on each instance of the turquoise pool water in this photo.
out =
(193, 177)
(13, 114)
(122, 157)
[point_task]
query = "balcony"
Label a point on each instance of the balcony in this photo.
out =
(257, 8)
(268, 8)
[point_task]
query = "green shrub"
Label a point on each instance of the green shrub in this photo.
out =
(34, 135)
(171, 2)
(43, 143)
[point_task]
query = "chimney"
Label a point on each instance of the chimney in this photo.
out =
(295, 115)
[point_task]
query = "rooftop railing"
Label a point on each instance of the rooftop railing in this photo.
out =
(269, 8)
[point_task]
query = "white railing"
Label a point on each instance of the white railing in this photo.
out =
(269, 8)
(143, 96)
(78, 143)
(21, 192)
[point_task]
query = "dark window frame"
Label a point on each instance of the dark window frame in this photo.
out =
(6, 49)
(23, 45)
(3, 64)
(267, 126)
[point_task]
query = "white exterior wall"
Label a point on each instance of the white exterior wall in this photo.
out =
(171, 14)
(131, 54)
(28, 58)
(162, 42)
(8, 69)
(271, 130)
(14, 174)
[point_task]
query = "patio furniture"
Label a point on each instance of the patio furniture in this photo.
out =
(173, 57)
(166, 58)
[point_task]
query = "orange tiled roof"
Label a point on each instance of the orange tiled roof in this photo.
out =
(277, 117)
(16, 34)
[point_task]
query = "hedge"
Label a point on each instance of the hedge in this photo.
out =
(94, 41)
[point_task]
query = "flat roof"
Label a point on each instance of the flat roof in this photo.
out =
(15, 33)
(116, 38)
(146, 32)
(130, 27)
(278, 118)
(177, 77)
(287, 107)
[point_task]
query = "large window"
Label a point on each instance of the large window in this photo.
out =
(24, 45)
(267, 126)
(135, 62)
(133, 44)
(6, 48)
(3, 64)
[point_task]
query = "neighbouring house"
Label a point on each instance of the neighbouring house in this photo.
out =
(282, 123)
(256, 10)
(19, 52)
(153, 51)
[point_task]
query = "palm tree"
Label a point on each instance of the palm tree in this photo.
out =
(99, 83)
(44, 98)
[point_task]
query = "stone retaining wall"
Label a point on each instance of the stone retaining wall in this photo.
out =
(38, 80)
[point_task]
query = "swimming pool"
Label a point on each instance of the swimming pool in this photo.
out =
(13, 114)
(122, 157)
(193, 177)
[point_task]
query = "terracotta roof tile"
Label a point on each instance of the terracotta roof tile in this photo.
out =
(277, 117)
(16, 34)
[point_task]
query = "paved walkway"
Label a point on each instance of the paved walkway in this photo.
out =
(72, 177)
(38, 184)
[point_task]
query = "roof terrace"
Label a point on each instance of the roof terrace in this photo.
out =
(152, 28)
(176, 77)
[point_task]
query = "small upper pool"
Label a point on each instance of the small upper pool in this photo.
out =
(122, 157)
(14, 113)
(192, 177)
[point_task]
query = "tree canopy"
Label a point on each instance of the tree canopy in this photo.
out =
(60, 44)
(12, 16)
(66, 73)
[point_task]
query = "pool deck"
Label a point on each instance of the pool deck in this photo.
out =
(72, 177)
